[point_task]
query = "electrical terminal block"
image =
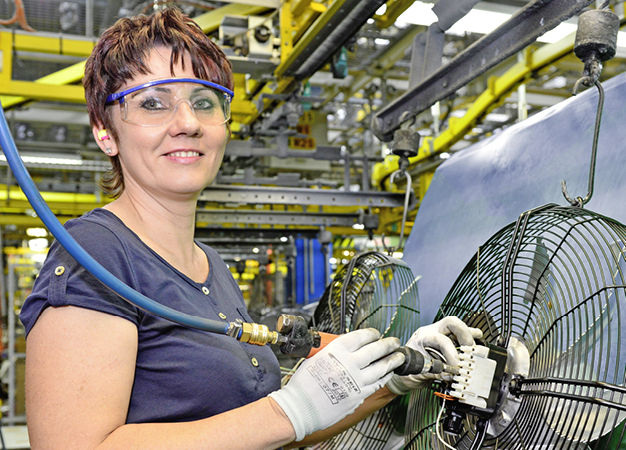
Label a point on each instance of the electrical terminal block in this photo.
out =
(472, 385)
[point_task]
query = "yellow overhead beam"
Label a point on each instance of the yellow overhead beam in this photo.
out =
(211, 21)
(60, 45)
(16, 92)
(498, 88)
(14, 193)
(22, 220)
(393, 11)
(303, 43)
(52, 87)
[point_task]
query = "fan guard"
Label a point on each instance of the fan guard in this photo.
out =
(551, 289)
(372, 291)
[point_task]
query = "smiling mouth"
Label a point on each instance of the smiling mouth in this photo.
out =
(184, 154)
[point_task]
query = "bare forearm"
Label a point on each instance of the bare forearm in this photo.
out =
(373, 403)
(258, 425)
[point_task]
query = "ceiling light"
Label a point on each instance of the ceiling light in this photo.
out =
(38, 258)
(497, 117)
(38, 244)
(481, 21)
(36, 232)
(358, 226)
(458, 113)
(558, 82)
(444, 155)
(381, 41)
(73, 160)
(419, 13)
(478, 21)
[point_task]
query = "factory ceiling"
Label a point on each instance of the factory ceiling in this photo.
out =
(316, 84)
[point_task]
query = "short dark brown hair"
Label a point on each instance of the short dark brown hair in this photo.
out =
(119, 56)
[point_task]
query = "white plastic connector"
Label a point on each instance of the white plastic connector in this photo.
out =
(473, 383)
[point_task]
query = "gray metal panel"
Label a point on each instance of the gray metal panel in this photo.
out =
(299, 196)
(483, 188)
(277, 218)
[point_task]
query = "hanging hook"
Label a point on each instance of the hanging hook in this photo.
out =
(580, 201)
(595, 42)
(406, 143)
(407, 196)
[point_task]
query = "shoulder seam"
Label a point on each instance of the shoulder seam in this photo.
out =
(124, 249)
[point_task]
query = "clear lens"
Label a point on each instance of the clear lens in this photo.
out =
(157, 105)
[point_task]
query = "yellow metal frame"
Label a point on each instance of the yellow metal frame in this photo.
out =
(394, 9)
(498, 88)
(58, 45)
(58, 86)
(304, 42)
(211, 21)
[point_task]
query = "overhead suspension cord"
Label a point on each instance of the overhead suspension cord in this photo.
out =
(81, 256)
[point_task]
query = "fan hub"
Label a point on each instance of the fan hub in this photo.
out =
(517, 365)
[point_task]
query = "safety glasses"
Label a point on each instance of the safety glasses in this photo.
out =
(156, 102)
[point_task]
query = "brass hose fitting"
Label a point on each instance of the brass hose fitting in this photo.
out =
(253, 333)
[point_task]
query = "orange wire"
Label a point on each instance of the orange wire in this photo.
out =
(445, 396)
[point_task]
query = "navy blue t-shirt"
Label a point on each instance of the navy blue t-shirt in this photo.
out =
(182, 374)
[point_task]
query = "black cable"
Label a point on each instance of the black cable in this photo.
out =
(4, 447)
(479, 437)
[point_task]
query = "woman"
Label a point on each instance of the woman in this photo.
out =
(100, 372)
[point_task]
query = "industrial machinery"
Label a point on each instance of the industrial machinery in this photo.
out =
(548, 293)
(372, 290)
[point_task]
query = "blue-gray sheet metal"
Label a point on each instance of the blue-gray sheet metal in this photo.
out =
(487, 186)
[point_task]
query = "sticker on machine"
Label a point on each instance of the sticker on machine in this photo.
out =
(334, 379)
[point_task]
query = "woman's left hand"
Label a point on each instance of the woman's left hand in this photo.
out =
(435, 337)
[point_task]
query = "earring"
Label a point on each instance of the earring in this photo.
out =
(108, 150)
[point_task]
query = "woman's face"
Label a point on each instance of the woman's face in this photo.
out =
(175, 160)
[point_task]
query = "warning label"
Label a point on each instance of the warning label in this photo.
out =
(334, 379)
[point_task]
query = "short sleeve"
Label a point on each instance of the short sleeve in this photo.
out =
(64, 282)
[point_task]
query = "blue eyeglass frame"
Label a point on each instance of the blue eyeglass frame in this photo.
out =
(120, 95)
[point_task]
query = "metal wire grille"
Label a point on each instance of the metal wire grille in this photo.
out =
(377, 291)
(555, 281)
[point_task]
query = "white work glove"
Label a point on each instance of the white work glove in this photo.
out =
(435, 337)
(334, 382)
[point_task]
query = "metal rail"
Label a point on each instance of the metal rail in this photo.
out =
(299, 196)
(515, 34)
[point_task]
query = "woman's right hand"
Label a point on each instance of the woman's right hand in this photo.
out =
(334, 382)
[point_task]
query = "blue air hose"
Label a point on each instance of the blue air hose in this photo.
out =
(81, 256)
